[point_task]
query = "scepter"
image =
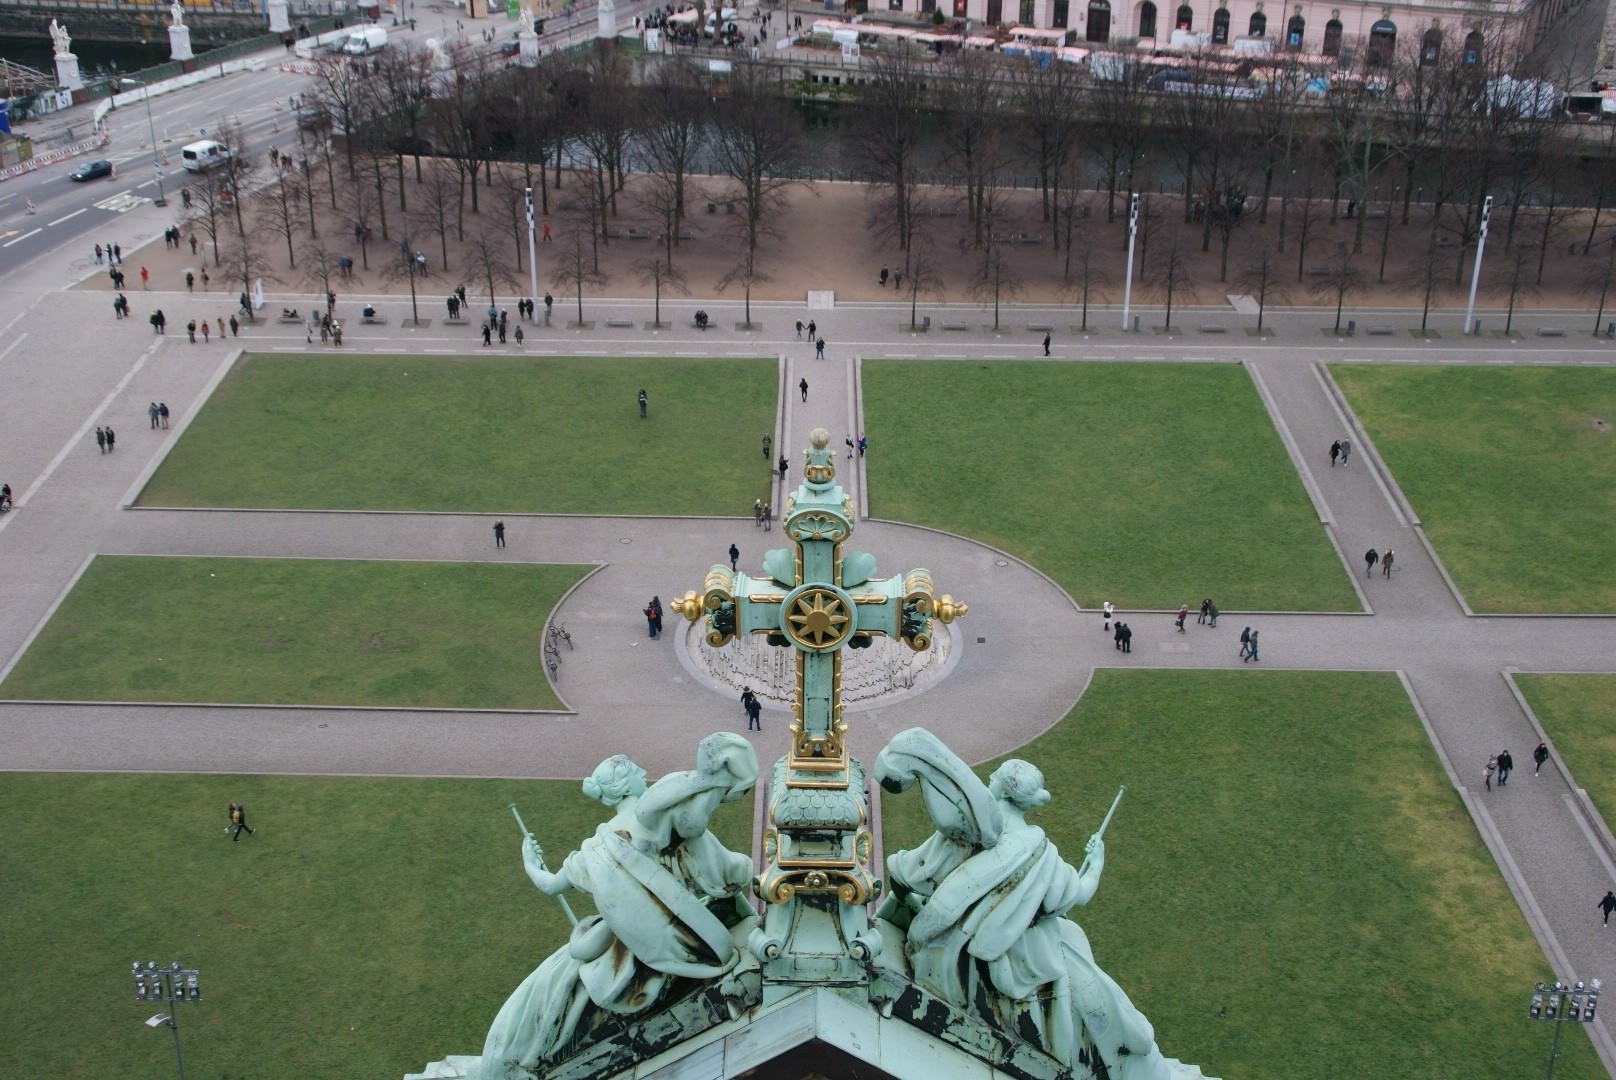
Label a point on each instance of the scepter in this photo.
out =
(1098, 833)
(566, 908)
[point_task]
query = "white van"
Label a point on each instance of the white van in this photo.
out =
(370, 39)
(204, 155)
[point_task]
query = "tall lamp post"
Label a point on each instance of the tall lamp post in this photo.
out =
(532, 257)
(1127, 281)
(1475, 275)
(170, 985)
(157, 160)
(1561, 1002)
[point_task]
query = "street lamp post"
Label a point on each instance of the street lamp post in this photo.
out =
(1561, 1002)
(170, 985)
(532, 256)
(1475, 274)
(157, 161)
(1127, 281)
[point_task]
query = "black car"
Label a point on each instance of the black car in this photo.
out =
(91, 170)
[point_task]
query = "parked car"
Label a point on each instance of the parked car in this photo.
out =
(91, 170)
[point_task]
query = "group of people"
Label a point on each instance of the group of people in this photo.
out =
(237, 816)
(1340, 450)
(158, 412)
(1385, 559)
(1500, 765)
(754, 709)
(653, 616)
(1248, 646)
(859, 444)
(1121, 633)
(762, 515)
(1208, 616)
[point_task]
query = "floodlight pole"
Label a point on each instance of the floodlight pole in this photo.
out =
(1127, 281)
(1561, 1001)
(1475, 274)
(170, 985)
(157, 161)
(532, 256)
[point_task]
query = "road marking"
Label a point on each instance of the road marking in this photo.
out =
(65, 217)
(123, 202)
(9, 195)
(21, 238)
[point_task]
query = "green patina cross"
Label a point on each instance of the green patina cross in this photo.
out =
(818, 600)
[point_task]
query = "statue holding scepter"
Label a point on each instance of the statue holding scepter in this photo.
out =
(64, 44)
(177, 13)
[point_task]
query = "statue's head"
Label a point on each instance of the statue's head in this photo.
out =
(1021, 783)
(615, 779)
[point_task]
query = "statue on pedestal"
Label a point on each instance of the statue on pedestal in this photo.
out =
(982, 907)
(666, 890)
(64, 43)
(177, 13)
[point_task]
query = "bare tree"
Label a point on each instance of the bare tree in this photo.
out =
(208, 212)
(1339, 280)
(1261, 278)
(1119, 130)
(672, 133)
(973, 119)
(437, 205)
(1170, 268)
(575, 268)
(1514, 280)
(887, 141)
(1426, 274)
(319, 265)
(486, 253)
(402, 266)
(1599, 277)
(660, 274)
(1048, 100)
(758, 145)
(280, 207)
(745, 274)
(1084, 272)
(923, 274)
(359, 210)
(244, 262)
(995, 280)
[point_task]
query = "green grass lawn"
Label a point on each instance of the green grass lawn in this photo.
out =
(495, 435)
(1149, 485)
(1509, 469)
(1579, 714)
(368, 927)
(1292, 889)
(298, 632)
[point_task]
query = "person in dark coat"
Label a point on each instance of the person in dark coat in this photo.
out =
(1506, 765)
(1540, 755)
(1370, 558)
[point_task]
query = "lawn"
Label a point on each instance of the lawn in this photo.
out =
(1579, 714)
(1511, 470)
(495, 435)
(298, 632)
(1149, 485)
(1277, 907)
(370, 926)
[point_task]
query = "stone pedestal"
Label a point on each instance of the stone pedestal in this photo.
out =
(528, 42)
(67, 72)
(606, 16)
(179, 43)
(279, 21)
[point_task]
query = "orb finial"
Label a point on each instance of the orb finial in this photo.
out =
(819, 437)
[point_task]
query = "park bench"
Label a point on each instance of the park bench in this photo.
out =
(956, 326)
(292, 319)
(1318, 271)
(373, 320)
(1381, 331)
(1551, 331)
(1041, 328)
(1446, 242)
(620, 324)
(1031, 238)
(1213, 328)
(635, 233)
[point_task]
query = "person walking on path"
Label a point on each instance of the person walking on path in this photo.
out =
(1211, 616)
(783, 466)
(1107, 611)
(1046, 344)
(1183, 613)
(757, 513)
(768, 517)
(849, 446)
(812, 330)
(499, 534)
(151, 411)
(1386, 563)
(1206, 609)
(112, 439)
(862, 443)
(162, 415)
(803, 386)
(204, 331)
(734, 557)
(650, 620)
(235, 327)
(101, 440)
(1370, 558)
(1245, 643)
(1608, 904)
(656, 606)
(1346, 451)
(1252, 657)
(799, 324)
(238, 822)
(1506, 765)
(1540, 755)
(1335, 452)
(644, 401)
(1487, 772)
(768, 447)
(1127, 637)
(749, 705)
(819, 353)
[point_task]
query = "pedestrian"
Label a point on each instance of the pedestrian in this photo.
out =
(221, 328)
(803, 386)
(235, 328)
(784, 464)
(151, 411)
(1116, 636)
(1212, 617)
(734, 557)
(885, 273)
(1183, 613)
(757, 513)
(1046, 344)
(1346, 451)
(1386, 563)
(748, 704)
(1252, 644)
(1506, 765)
(768, 447)
(1487, 772)
(1127, 638)
(819, 354)
(643, 402)
(204, 279)
(1540, 755)
(205, 331)
(546, 231)
(488, 335)
(799, 321)
(862, 443)
(1335, 452)
(193, 243)
(1370, 558)
(117, 253)
(650, 620)
(499, 534)
(159, 321)
(813, 330)
(101, 440)
(754, 712)
(1206, 610)
(502, 329)
(98, 254)
(1107, 611)
(162, 414)
(656, 606)
(548, 300)
(768, 517)
(238, 823)
(1607, 905)
(1245, 643)
(145, 276)
(849, 446)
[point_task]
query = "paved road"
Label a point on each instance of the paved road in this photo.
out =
(1024, 653)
